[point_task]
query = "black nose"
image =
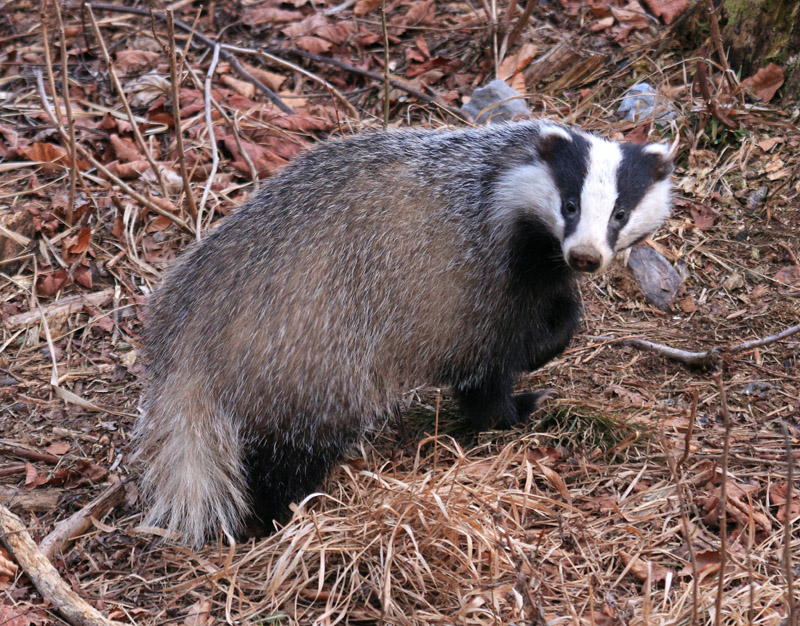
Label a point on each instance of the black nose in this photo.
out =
(584, 259)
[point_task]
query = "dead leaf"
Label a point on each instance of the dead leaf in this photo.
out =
(124, 149)
(58, 448)
(363, 7)
(667, 10)
(261, 16)
(50, 283)
(82, 274)
(8, 567)
(314, 45)
(82, 243)
(688, 304)
(643, 569)
(45, 153)
(767, 144)
(704, 217)
(273, 80)
(420, 13)
(242, 87)
(128, 171)
(788, 275)
(733, 282)
(765, 82)
(632, 15)
(129, 61)
(554, 478)
(199, 614)
(602, 24)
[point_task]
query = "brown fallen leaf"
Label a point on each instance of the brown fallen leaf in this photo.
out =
(45, 153)
(49, 283)
(124, 149)
(643, 569)
(765, 82)
(58, 448)
(704, 217)
(768, 144)
(363, 7)
(199, 614)
(314, 45)
(242, 87)
(554, 478)
(262, 16)
(788, 275)
(81, 243)
(129, 61)
(667, 10)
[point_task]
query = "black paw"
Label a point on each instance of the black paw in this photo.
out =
(528, 403)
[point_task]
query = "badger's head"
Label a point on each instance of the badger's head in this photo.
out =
(596, 197)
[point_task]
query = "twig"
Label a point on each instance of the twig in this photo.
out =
(45, 577)
(522, 22)
(137, 134)
(387, 86)
(301, 70)
(64, 306)
(102, 168)
(787, 529)
(211, 140)
(723, 498)
(73, 170)
(677, 473)
(688, 439)
(31, 455)
(339, 8)
(66, 531)
(705, 91)
(176, 115)
(697, 359)
(230, 58)
(723, 58)
(377, 77)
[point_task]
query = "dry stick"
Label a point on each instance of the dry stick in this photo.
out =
(67, 530)
(702, 359)
(723, 498)
(687, 440)
(45, 577)
(705, 91)
(677, 473)
(387, 87)
(716, 35)
(131, 118)
(231, 124)
(377, 77)
(301, 70)
(787, 528)
(522, 22)
(99, 166)
(230, 58)
(73, 170)
(212, 140)
(176, 114)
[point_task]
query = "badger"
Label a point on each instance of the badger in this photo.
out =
(370, 265)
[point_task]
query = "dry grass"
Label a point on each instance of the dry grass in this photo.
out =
(596, 514)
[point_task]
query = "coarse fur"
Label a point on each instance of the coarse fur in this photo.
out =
(370, 265)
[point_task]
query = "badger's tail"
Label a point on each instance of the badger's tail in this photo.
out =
(192, 474)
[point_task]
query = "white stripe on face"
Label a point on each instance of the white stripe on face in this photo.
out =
(648, 215)
(529, 189)
(598, 196)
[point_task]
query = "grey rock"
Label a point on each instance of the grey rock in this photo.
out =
(758, 388)
(656, 276)
(496, 102)
(643, 102)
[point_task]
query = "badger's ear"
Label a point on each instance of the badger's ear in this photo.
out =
(551, 137)
(662, 162)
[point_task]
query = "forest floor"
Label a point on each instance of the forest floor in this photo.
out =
(612, 507)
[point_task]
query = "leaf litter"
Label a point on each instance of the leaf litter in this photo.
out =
(575, 521)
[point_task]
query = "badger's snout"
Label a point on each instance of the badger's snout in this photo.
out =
(584, 259)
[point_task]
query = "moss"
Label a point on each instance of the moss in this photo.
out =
(738, 10)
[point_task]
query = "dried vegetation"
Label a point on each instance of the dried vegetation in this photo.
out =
(613, 508)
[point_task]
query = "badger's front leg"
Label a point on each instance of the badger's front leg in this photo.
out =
(492, 405)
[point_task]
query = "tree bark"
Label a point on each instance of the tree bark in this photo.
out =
(758, 32)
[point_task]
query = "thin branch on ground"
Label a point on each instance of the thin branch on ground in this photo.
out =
(697, 359)
(387, 86)
(723, 498)
(176, 115)
(787, 528)
(522, 22)
(55, 591)
(69, 529)
(711, 105)
(211, 140)
(716, 35)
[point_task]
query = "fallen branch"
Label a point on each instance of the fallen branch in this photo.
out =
(64, 306)
(698, 359)
(45, 577)
(66, 531)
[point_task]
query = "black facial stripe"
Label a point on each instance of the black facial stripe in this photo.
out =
(569, 163)
(636, 174)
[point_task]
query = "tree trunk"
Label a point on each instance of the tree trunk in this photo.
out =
(758, 32)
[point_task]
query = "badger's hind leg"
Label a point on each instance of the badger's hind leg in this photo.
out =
(281, 472)
(492, 405)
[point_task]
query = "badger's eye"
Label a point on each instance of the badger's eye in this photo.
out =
(570, 207)
(619, 215)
